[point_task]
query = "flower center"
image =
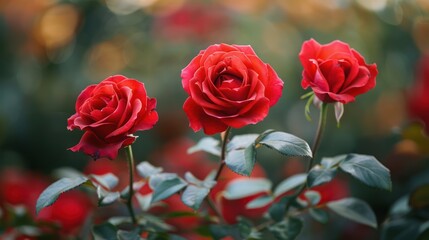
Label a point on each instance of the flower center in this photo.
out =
(228, 81)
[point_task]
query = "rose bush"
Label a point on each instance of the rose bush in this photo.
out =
(335, 72)
(110, 113)
(228, 86)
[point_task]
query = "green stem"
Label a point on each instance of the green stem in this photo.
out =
(316, 144)
(129, 203)
(319, 133)
(223, 152)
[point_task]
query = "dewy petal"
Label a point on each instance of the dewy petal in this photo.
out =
(93, 146)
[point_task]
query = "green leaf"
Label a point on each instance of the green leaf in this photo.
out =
(290, 183)
(105, 197)
(313, 197)
(245, 187)
(401, 229)
(167, 188)
(319, 215)
(193, 196)
(241, 141)
(50, 194)
(278, 210)
(287, 229)
(129, 235)
(144, 200)
(367, 170)
(145, 169)
(354, 209)
(208, 182)
(287, 144)
(105, 231)
(220, 231)
(260, 202)
(241, 161)
(332, 162)
(108, 180)
(207, 144)
(318, 176)
(419, 198)
(156, 179)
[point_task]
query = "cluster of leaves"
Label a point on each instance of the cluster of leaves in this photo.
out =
(409, 217)
(290, 198)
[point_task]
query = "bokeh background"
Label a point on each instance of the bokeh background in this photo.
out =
(51, 50)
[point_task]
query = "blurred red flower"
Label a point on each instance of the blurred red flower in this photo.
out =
(70, 211)
(418, 97)
(21, 187)
(192, 21)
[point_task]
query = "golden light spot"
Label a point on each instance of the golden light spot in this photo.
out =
(245, 6)
(421, 33)
(164, 7)
(107, 58)
(57, 26)
(373, 5)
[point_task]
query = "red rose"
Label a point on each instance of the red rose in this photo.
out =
(70, 211)
(418, 98)
(109, 113)
(228, 86)
(335, 72)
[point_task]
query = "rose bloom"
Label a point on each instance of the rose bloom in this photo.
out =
(110, 113)
(418, 97)
(335, 72)
(228, 86)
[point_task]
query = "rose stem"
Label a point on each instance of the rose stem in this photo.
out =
(130, 158)
(223, 152)
(224, 138)
(316, 144)
(319, 133)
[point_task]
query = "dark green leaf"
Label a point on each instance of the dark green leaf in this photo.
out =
(401, 229)
(287, 229)
(193, 196)
(290, 183)
(241, 161)
(108, 180)
(208, 182)
(419, 198)
(313, 197)
(287, 144)
(220, 231)
(332, 162)
(354, 209)
(367, 170)
(129, 235)
(106, 197)
(245, 187)
(260, 202)
(145, 169)
(50, 194)
(278, 210)
(319, 215)
(105, 231)
(318, 176)
(156, 179)
(144, 200)
(207, 144)
(167, 188)
(241, 141)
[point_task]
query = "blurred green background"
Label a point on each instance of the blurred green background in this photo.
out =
(51, 50)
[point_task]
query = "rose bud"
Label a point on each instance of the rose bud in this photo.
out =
(335, 72)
